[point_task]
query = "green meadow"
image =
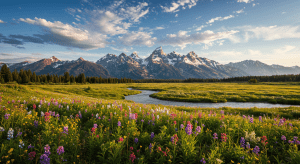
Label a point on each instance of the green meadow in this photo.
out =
(92, 123)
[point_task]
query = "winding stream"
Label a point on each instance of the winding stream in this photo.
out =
(145, 99)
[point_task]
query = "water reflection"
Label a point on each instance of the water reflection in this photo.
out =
(145, 99)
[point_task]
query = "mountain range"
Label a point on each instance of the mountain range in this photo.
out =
(158, 65)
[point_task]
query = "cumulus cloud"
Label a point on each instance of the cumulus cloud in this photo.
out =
(65, 35)
(137, 38)
(245, 1)
(219, 19)
(1, 21)
(175, 5)
(182, 39)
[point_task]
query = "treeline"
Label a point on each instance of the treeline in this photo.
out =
(26, 76)
(274, 78)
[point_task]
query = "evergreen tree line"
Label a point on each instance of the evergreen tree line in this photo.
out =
(26, 76)
(274, 78)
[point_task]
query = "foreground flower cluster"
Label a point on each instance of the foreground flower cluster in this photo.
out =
(40, 130)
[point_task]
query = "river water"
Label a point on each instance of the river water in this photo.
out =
(145, 99)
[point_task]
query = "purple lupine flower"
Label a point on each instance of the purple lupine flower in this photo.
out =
(66, 130)
(36, 123)
(57, 115)
(189, 129)
(136, 140)
(152, 135)
(251, 120)
(95, 126)
(47, 150)
(256, 150)
(283, 138)
(150, 147)
(198, 129)
(242, 142)
(60, 150)
(153, 124)
(260, 118)
(48, 103)
(6, 116)
(222, 112)
(44, 159)
(181, 126)
(19, 134)
(119, 123)
(29, 147)
(291, 124)
(244, 116)
(203, 125)
(281, 122)
(142, 120)
(215, 136)
(203, 161)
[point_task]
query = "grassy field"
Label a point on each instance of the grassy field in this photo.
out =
(92, 124)
(282, 93)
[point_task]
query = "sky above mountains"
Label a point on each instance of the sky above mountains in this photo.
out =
(221, 30)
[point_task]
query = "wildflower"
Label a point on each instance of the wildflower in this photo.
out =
(203, 161)
(2, 129)
(181, 126)
(21, 144)
(248, 145)
(19, 134)
(150, 147)
(174, 139)
(10, 134)
(189, 129)
(132, 157)
(136, 140)
(283, 138)
(260, 118)
(6, 116)
(60, 150)
(29, 147)
(142, 121)
(215, 136)
(219, 161)
(291, 124)
(281, 122)
(29, 112)
(119, 123)
(157, 116)
(66, 130)
(47, 150)
(152, 135)
(256, 150)
(93, 130)
(242, 142)
(36, 123)
(198, 130)
(44, 159)
(121, 139)
(42, 114)
(31, 155)
(95, 126)
(34, 106)
(263, 140)
(223, 137)
(251, 120)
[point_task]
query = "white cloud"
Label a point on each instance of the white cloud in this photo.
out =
(219, 19)
(67, 35)
(122, 50)
(135, 13)
(137, 38)
(159, 28)
(253, 4)
(175, 5)
(182, 39)
(1, 21)
(176, 15)
(274, 32)
(284, 50)
(239, 11)
(201, 27)
(245, 1)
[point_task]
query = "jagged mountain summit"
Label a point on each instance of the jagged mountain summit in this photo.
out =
(158, 65)
(257, 68)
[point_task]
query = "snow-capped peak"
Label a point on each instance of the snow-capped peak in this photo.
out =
(80, 59)
(54, 59)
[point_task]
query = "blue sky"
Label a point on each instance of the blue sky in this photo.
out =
(221, 30)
